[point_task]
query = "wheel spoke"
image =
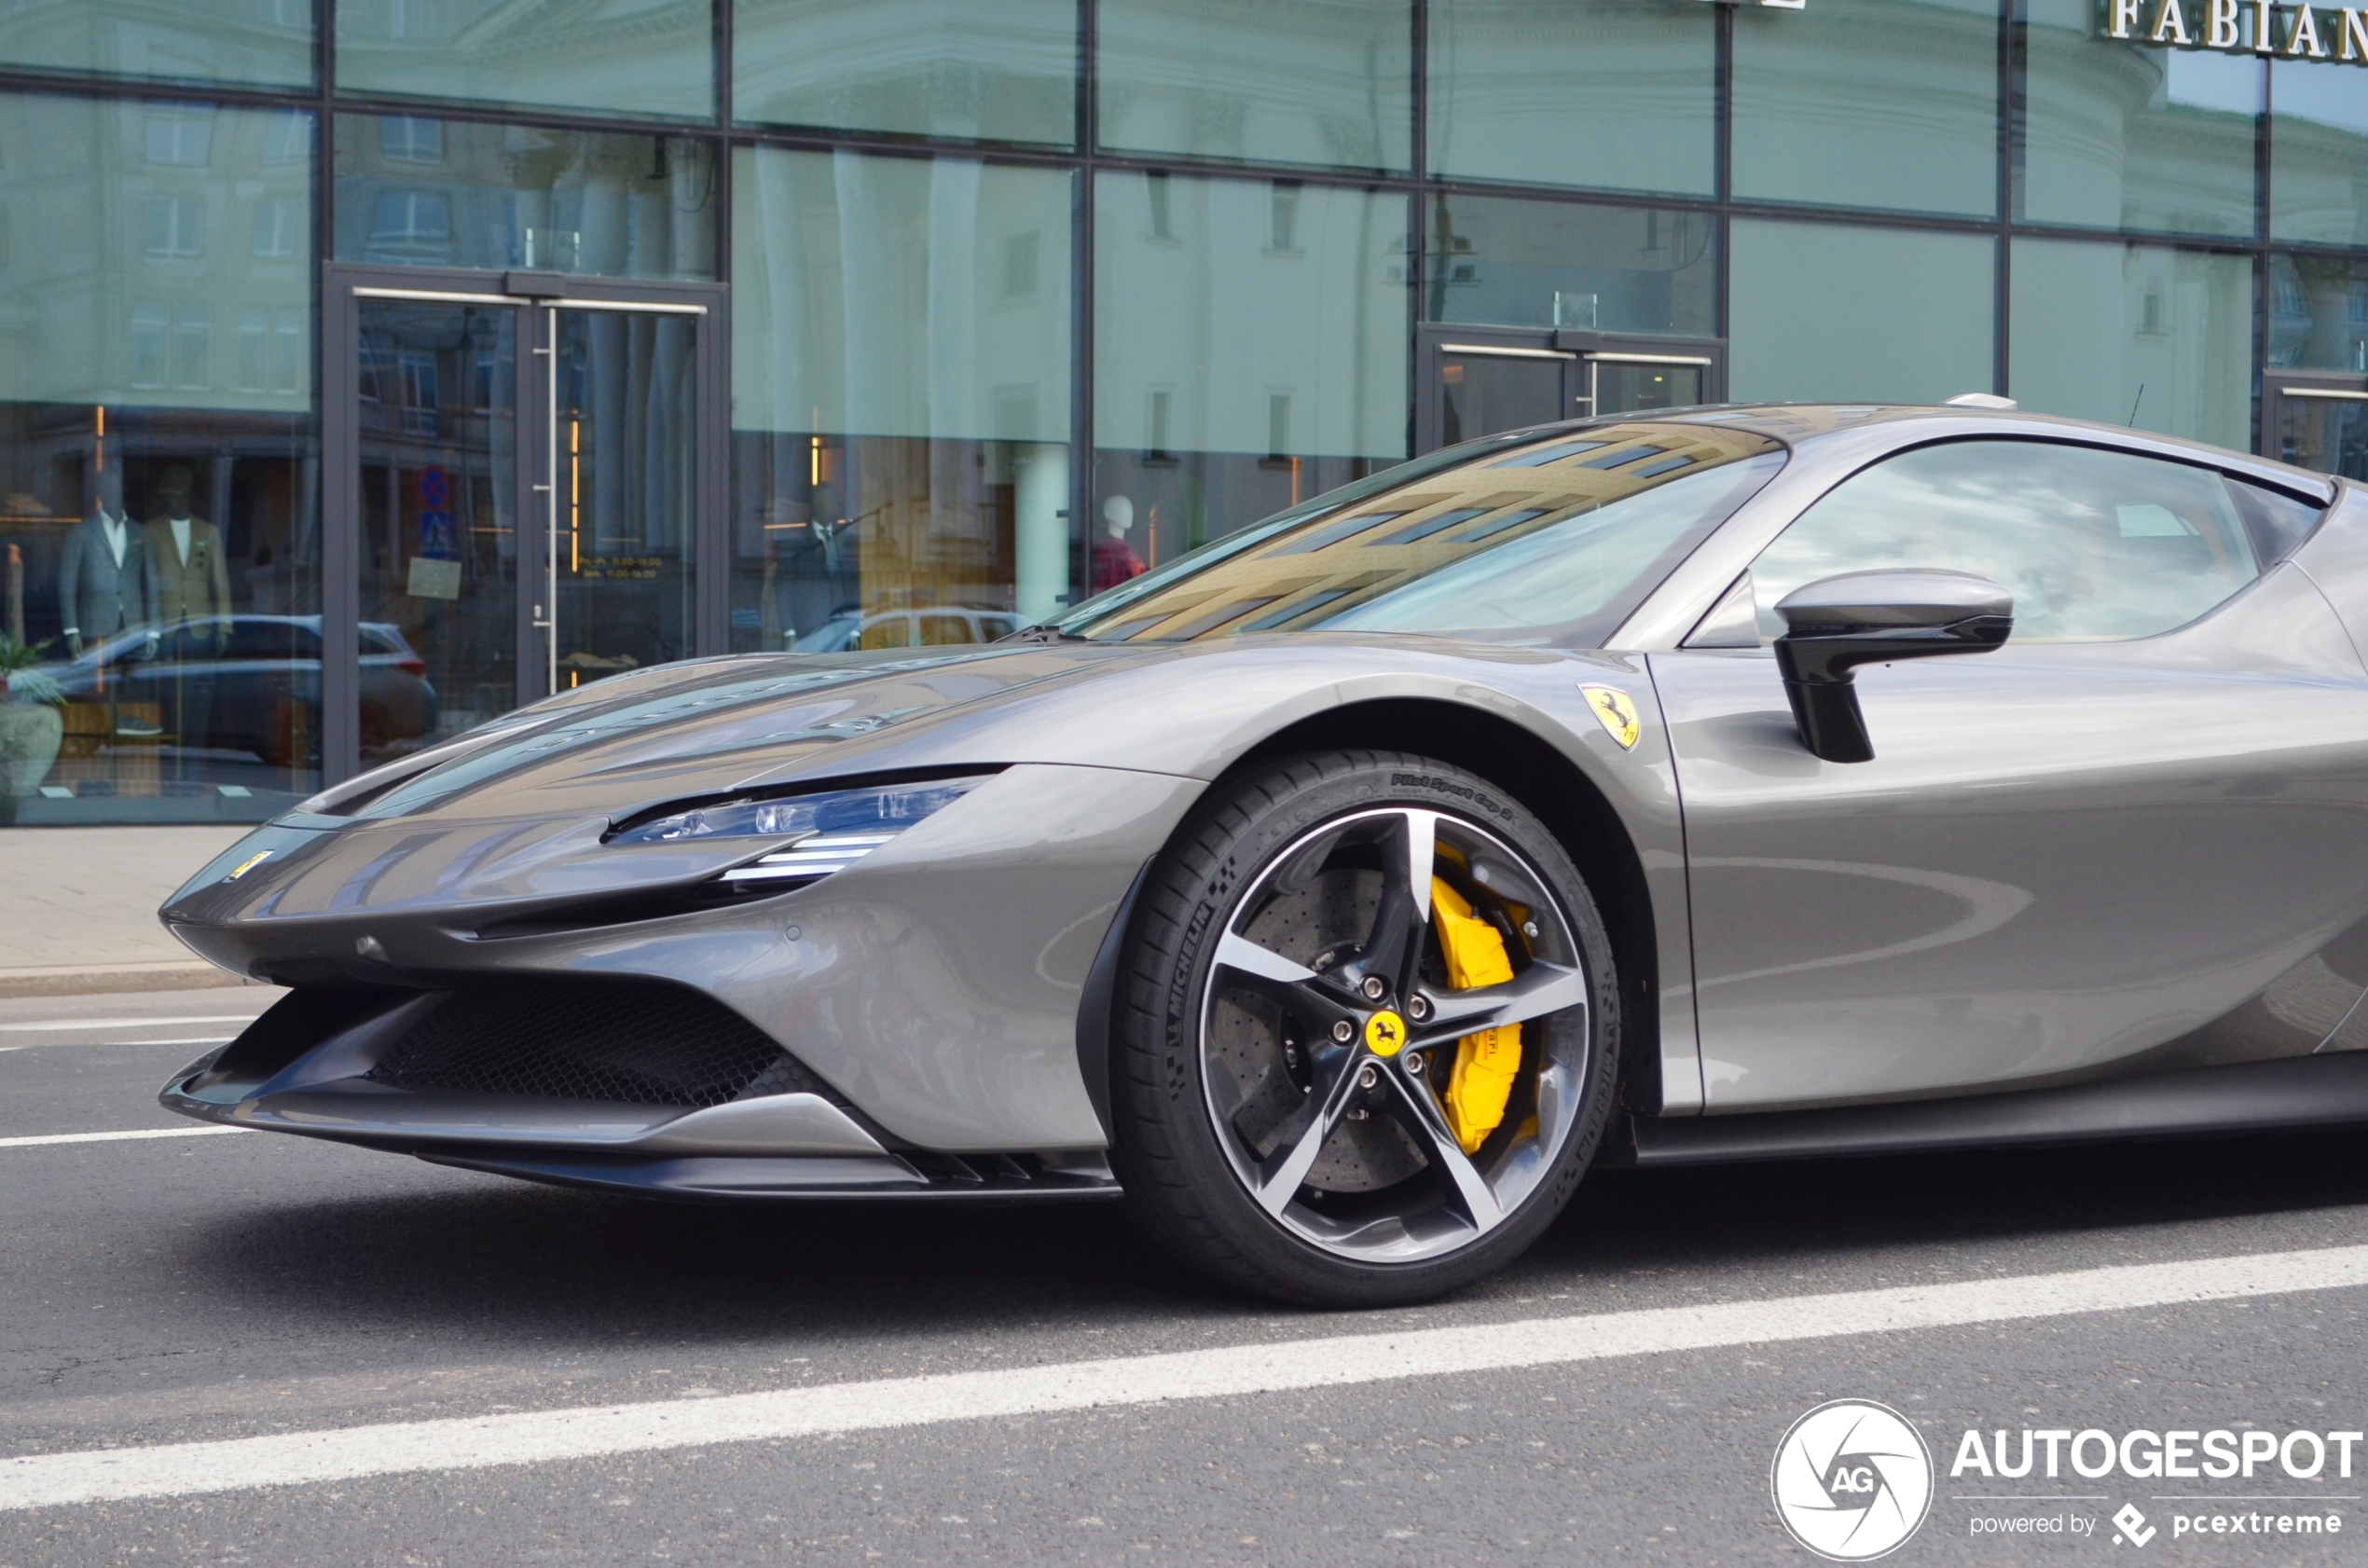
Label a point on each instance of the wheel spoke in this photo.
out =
(1421, 833)
(1540, 989)
(1428, 1124)
(1281, 1174)
(1242, 956)
(1394, 946)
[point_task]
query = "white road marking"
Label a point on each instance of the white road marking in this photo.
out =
(87, 1044)
(541, 1436)
(119, 1137)
(62, 1024)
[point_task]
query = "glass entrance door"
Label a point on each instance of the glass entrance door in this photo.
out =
(1477, 381)
(2318, 422)
(439, 483)
(623, 459)
(1623, 382)
(517, 484)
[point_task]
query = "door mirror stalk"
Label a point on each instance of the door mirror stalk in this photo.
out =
(1837, 624)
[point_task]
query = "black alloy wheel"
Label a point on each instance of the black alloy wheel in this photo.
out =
(1316, 1098)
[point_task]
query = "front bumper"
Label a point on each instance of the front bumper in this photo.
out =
(932, 991)
(796, 1144)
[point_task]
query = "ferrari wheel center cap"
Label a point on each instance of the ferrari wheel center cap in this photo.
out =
(1385, 1033)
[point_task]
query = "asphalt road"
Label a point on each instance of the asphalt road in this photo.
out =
(181, 1289)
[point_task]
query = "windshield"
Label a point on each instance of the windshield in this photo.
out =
(1548, 540)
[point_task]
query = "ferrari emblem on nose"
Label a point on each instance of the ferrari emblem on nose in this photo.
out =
(1618, 714)
(1384, 1032)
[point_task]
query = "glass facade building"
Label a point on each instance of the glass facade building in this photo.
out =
(368, 367)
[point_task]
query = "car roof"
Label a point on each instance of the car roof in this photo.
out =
(1810, 425)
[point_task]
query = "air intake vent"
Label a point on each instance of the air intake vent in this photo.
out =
(623, 1042)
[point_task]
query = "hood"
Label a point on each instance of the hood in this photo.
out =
(516, 812)
(681, 731)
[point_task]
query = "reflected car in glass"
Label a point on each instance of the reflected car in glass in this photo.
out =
(906, 628)
(260, 679)
(1719, 784)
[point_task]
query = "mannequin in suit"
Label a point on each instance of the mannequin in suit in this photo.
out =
(193, 603)
(193, 582)
(105, 580)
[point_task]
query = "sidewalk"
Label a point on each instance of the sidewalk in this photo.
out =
(78, 908)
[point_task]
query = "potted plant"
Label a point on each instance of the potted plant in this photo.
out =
(31, 725)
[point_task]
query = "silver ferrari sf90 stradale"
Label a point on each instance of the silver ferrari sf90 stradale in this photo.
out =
(1712, 785)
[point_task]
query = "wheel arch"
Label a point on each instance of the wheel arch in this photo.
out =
(1574, 808)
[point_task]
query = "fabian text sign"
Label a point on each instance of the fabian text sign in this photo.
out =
(2255, 26)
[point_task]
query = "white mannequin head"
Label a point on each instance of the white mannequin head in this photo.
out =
(1118, 516)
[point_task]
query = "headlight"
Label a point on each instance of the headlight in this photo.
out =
(828, 831)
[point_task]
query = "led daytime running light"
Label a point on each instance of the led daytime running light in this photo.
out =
(828, 831)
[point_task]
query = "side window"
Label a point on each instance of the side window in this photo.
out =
(2094, 545)
(257, 636)
(945, 628)
(181, 643)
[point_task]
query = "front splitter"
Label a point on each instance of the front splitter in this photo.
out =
(803, 1179)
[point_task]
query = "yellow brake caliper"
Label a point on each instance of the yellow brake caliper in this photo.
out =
(1487, 1062)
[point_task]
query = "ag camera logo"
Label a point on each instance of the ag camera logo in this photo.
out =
(1852, 1481)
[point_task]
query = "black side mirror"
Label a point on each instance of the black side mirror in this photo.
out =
(1834, 625)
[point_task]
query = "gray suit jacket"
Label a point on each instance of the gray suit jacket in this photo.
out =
(97, 598)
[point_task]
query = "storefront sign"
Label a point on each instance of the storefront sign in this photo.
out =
(2243, 26)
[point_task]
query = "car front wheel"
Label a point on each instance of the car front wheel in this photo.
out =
(1368, 1032)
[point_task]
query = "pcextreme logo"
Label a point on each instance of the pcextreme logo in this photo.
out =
(1852, 1481)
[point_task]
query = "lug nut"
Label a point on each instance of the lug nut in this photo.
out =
(1414, 1063)
(1418, 1007)
(1343, 1031)
(1367, 1076)
(1375, 988)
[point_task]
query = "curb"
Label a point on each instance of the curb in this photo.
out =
(172, 974)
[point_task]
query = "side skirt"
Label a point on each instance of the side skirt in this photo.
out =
(2293, 1094)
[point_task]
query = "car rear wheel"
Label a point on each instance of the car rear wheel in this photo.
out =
(1368, 1032)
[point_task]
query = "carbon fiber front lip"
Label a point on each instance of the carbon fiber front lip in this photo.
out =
(644, 1150)
(804, 1179)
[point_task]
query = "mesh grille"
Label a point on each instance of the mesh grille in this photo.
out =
(647, 1045)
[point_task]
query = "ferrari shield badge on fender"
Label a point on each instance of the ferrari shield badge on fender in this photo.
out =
(1611, 704)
